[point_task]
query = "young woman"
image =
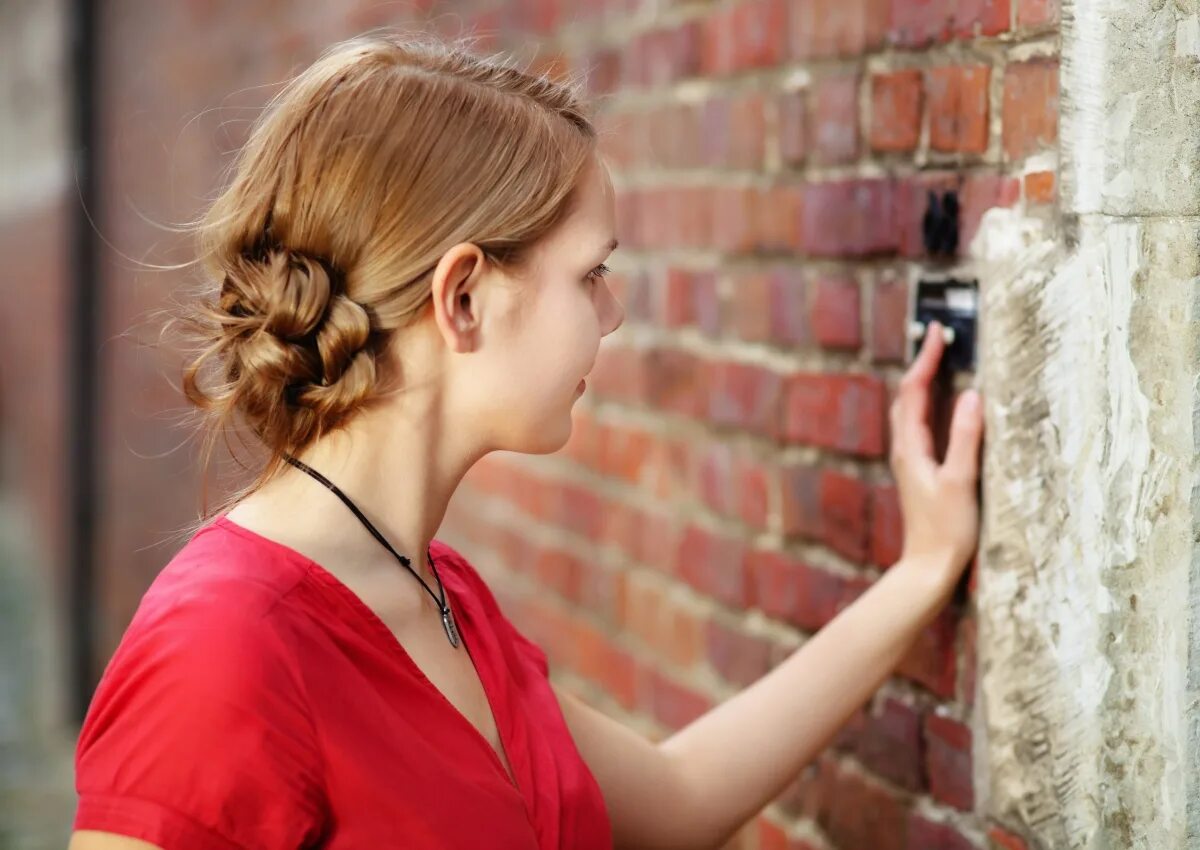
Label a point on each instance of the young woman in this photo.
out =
(408, 267)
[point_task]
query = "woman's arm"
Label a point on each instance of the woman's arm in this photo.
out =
(698, 787)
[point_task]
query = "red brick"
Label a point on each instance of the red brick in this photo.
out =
(888, 743)
(718, 48)
(596, 658)
(636, 291)
(986, 18)
(948, 761)
(930, 661)
(603, 71)
(628, 203)
(889, 320)
(1040, 187)
(850, 218)
(896, 111)
(789, 306)
(734, 221)
(801, 501)
(958, 108)
(759, 33)
(716, 477)
(683, 297)
(918, 23)
(887, 525)
(824, 29)
(1030, 117)
(676, 216)
(713, 565)
(856, 811)
(979, 194)
(746, 396)
(793, 126)
(670, 703)
(1001, 839)
(737, 657)
(676, 381)
(841, 412)
(833, 125)
(837, 313)
(662, 56)
(732, 132)
(706, 302)
(749, 313)
(599, 586)
(624, 453)
(557, 570)
(1036, 13)
(752, 485)
(967, 641)
(618, 375)
(924, 834)
(777, 223)
(804, 596)
(681, 640)
(844, 514)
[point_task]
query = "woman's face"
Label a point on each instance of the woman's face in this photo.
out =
(539, 335)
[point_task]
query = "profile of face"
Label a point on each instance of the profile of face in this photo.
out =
(521, 346)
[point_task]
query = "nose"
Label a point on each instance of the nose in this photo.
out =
(614, 313)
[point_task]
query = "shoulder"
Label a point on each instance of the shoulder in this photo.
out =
(210, 625)
(220, 586)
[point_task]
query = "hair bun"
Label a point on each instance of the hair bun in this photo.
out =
(299, 345)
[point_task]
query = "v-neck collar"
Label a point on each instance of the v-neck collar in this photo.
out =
(466, 619)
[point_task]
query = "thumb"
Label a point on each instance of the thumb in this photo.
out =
(966, 429)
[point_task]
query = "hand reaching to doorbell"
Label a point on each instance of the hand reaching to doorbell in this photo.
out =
(939, 502)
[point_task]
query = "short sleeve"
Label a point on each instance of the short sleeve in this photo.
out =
(199, 736)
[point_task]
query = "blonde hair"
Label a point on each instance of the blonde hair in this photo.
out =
(365, 168)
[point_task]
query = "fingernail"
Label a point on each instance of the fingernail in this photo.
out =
(970, 401)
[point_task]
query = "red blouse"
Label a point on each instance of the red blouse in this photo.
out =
(256, 702)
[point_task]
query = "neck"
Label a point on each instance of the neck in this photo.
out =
(400, 470)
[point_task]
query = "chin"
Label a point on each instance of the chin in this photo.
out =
(548, 437)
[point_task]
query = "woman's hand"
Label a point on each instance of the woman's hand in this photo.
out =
(939, 502)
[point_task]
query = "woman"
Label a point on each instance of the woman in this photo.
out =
(410, 265)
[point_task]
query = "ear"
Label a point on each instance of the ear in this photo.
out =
(455, 296)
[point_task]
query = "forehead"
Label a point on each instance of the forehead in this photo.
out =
(593, 219)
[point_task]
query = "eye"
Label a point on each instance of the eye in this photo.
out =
(597, 273)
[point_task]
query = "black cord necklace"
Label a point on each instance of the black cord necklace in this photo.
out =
(447, 617)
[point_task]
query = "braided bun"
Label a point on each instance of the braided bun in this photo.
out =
(296, 349)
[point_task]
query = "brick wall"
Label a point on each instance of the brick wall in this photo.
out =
(726, 490)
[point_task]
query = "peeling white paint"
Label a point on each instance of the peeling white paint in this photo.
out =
(1087, 495)
(1187, 38)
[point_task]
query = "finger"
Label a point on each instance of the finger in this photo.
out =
(910, 436)
(924, 367)
(913, 397)
(966, 430)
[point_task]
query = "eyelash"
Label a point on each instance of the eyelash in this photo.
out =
(597, 273)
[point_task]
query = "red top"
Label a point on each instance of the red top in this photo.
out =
(256, 702)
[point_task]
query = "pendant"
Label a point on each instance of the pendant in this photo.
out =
(450, 627)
